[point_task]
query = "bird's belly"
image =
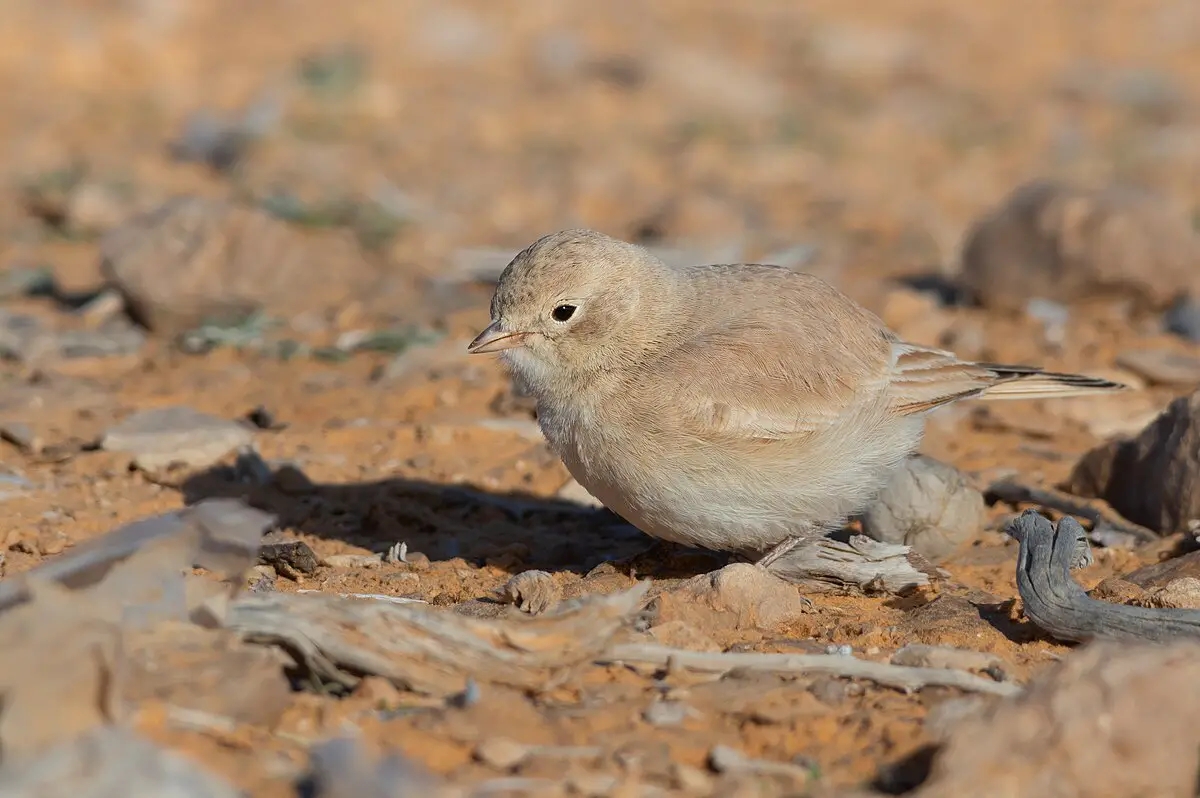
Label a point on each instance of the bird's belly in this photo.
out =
(713, 511)
(738, 500)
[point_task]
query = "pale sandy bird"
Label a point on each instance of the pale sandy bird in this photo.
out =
(734, 407)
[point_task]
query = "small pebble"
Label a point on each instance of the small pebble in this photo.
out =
(263, 418)
(666, 713)
(468, 697)
(501, 753)
(1053, 316)
(417, 561)
(379, 692)
(592, 784)
(533, 592)
(690, 779)
(1183, 319)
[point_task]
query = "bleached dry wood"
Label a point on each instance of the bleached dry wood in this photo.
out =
(860, 565)
(369, 597)
(904, 678)
(1056, 602)
(1094, 510)
(432, 651)
(724, 759)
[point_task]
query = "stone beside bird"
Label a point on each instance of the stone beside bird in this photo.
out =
(731, 407)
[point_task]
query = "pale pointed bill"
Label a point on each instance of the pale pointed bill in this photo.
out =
(495, 339)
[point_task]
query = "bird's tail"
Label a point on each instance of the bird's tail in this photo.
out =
(924, 378)
(1027, 382)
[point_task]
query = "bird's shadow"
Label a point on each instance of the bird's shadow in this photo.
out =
(513, 531)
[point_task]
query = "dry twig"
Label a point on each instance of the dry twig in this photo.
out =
(1094, 510)
(904, 678)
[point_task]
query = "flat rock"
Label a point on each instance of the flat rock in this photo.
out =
(196, 259)
(166, 436)
(1162, 366)
(1162, 573)
(1176, 594)
(26, 339)
(113, 338)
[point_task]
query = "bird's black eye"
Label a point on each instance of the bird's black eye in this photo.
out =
(563, 312)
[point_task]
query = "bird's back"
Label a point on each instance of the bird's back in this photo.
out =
(767, 416)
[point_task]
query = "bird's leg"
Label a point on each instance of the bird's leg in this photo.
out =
(779, 550)
(784, 547)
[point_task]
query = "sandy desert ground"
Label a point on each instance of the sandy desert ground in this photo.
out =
(341, 185)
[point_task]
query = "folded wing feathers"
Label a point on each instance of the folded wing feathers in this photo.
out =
(924, 378)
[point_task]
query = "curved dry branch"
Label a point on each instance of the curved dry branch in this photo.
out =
(1056, 602)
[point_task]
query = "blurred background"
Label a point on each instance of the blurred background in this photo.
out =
(862, 135)
(286, 217)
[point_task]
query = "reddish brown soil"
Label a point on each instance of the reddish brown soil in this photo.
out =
(876, 130)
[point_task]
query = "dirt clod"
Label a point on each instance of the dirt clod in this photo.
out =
(928, 505)
(533, 592)
(739, 596)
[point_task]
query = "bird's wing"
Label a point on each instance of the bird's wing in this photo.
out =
(779, 370)
(924, 378)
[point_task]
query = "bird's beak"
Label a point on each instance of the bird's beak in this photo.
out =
(494, 339)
